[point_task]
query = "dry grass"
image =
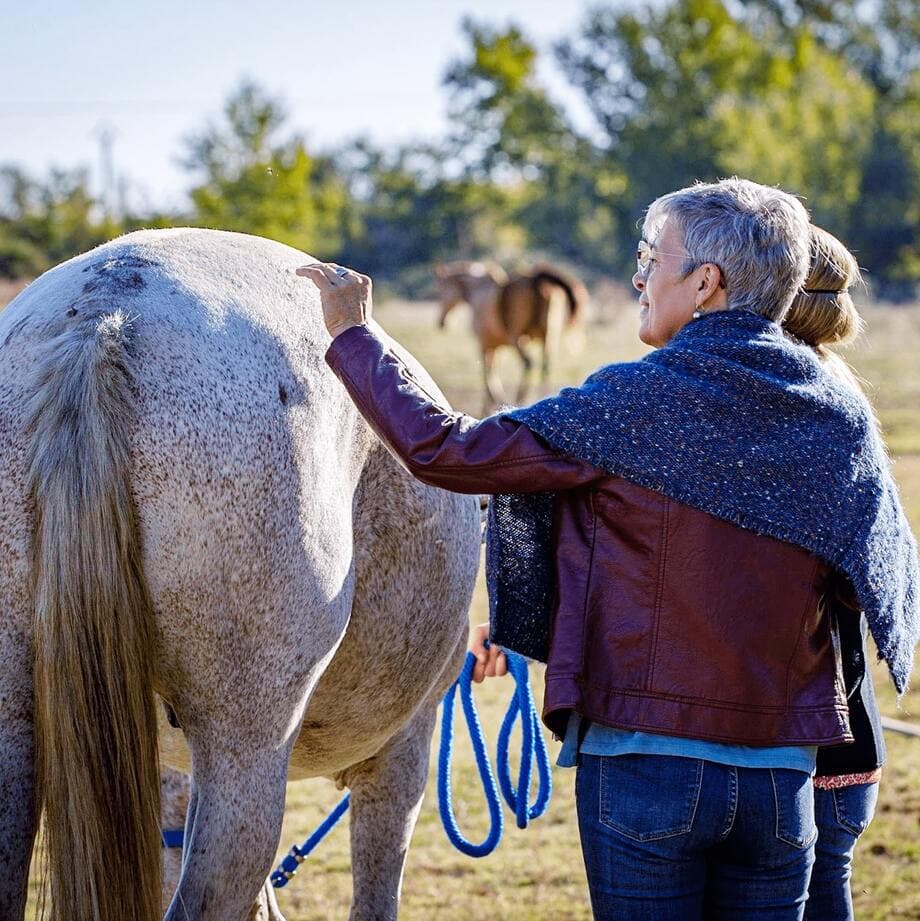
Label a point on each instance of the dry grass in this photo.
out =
(538, 873)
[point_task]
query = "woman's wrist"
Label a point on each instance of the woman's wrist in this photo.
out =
(340, 328)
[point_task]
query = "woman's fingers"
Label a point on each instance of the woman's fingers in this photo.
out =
(498, 663)
(321, 272)
(491, 661)
(479, 635)
(345, 294)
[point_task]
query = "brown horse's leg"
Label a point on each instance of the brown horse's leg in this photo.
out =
(544, 366)
(494, 394)
(524, 385)
(386, 796)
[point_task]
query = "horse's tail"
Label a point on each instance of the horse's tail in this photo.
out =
(575, 291)
(95, 719)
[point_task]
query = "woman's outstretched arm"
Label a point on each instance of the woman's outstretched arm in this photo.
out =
(436, 444)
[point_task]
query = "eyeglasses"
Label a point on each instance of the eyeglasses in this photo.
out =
(644, 260)
(644, 256)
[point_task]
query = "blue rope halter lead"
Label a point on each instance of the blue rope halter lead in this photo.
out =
(533, 747)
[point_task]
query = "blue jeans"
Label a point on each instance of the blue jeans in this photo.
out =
(842, 816)
(666, 838)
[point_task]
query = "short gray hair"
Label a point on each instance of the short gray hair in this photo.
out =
(757, 235)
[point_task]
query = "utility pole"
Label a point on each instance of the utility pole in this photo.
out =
(105, 133)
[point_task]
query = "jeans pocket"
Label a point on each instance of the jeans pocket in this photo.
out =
(649, 797)
(794, 797)
(854, 806)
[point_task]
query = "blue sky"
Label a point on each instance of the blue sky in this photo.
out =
(156, 72)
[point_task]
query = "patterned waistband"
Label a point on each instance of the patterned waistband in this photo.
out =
(836, 781)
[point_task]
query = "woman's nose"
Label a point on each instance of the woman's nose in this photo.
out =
(638, 281)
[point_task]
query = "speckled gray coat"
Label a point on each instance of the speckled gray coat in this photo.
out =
(310, 598)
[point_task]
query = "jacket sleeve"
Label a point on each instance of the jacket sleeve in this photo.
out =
(434, 443)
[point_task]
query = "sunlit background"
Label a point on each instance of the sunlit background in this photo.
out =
(402, 135)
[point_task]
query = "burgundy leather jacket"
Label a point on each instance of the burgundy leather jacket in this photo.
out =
(666, 619)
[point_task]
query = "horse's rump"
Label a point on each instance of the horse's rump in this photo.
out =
(524, 302)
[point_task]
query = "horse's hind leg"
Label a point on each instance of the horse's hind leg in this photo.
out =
(175, 796)
(238, 807)
(17, 808)
(18, 813)
(386, 796)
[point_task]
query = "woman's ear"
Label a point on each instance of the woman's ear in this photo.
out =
(710, 290)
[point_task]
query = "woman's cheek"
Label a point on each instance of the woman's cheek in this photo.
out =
(645, 326)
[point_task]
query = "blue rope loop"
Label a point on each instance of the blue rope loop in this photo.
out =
(445, 803)
(533, 747)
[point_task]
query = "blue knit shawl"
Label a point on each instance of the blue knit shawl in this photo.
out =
(734, 418)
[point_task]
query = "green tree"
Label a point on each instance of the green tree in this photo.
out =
(255, 183)
(797, 93)
(410, 211)
(45, 222)
(506, 125)
(555, 189)
(655, 79)
(808, 130)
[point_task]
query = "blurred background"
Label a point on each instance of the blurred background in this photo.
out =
(388, 136)
(398, 136)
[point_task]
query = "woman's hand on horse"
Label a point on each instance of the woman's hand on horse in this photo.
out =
(345, 295)
(490, 661)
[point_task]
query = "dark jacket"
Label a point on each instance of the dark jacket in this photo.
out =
(867, 752)
(667, 619)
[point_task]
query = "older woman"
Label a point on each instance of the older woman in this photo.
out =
(662, 537)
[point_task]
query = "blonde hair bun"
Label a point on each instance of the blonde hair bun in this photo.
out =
(823, 313)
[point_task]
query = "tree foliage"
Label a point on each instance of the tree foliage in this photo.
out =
(254, 183)
(820, 97)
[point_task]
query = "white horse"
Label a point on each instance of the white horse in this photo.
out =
(193, 512)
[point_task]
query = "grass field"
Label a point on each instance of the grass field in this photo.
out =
(537, 873)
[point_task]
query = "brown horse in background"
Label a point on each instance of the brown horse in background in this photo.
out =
(530, 306)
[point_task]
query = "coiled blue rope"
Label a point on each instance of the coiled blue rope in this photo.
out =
(533, 748)
(445, 804)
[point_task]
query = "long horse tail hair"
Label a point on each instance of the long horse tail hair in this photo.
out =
(97, 774)
(575, 291)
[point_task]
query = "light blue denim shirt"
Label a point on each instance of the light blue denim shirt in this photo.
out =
(604, 740)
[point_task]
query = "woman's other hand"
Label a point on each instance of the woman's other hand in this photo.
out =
(345, 295)
(490, 661)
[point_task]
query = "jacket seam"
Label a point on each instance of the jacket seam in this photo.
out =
(802, 621)
(702, 701)
(370, 410)
(407, 371)
(510, 462)
(708, 736)
(584, 606)
(659, 593)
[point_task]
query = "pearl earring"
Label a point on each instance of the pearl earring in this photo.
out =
(697, 313)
